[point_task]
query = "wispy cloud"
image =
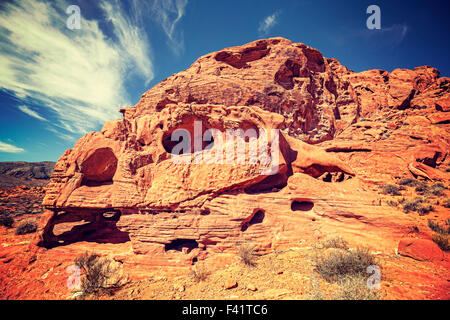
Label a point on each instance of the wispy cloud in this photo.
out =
(63, 136)
(31, 113)
(79, 75)
(395, 34)
(9, 148)
(391, 36)
(268, 23)
(168, 14)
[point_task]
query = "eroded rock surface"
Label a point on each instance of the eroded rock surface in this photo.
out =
(338, 132)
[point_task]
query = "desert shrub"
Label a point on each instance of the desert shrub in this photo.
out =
(354, 287)
(437, 189)
(200, 273)
(413, 205)
(391, 189)
(436, 227)
(442, 240)
(446, 203)
(342, 262)
(335, 242)
(26, 227)
(410, 182)
(422, 189)
(316, 292)
(100, 276)
(6, 221)
(425, 209)
(392, 203)
(417, 205)
(247, 253)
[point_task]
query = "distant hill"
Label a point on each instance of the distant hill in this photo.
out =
(25, 173)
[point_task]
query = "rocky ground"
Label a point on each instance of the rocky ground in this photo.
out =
(283, 274)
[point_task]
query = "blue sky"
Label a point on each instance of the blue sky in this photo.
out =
(57, 84)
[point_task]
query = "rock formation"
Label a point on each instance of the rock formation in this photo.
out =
(339, 131)
(13, 174)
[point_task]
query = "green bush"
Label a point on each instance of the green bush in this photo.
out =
(26, 227)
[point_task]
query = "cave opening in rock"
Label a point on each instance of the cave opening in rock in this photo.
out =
(99, 168)
(73, 226)
(302, 205)
(181, 245)
(257, 218)
(184, 139)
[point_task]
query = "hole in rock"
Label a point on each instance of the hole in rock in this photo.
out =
(99, 168)
(182, 140)
(111, 215)
(83, 226)
(180, 244)
(258, 217)
(302, 205)
(194, 261)
(327, 173)
(205, 212)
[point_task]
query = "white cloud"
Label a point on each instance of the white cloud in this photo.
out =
(390, 36)
(31, 113)
(9, 148)
(61, 135)
(81, 74)
(168, 14)
(395, 34)
(268, 23)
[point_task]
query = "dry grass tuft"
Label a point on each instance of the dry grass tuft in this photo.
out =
(26, 227)
(247, 253)
(339, 263)
(100, 276)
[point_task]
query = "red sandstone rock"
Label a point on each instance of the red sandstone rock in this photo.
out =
(420, 249)
(230, 284)
(120, 188)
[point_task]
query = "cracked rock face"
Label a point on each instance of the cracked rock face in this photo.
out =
(121, 186)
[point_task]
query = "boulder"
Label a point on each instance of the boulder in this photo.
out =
(420, 249)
